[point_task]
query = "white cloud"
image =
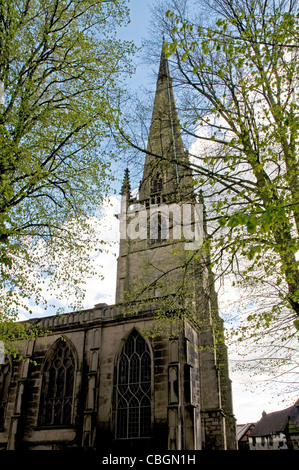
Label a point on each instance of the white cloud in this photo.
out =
(250, 399)
(99, 288)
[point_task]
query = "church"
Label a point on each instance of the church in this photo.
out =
(151, 371)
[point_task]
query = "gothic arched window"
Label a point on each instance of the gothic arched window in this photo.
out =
(5, 376)
(133, 389)
(157, 183)
(58, 386)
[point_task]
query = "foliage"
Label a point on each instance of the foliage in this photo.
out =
(14, 336)
(61, 68)
(240, 71)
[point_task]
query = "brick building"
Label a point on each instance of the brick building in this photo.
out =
(148, 372)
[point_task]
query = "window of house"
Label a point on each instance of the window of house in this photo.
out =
(5, 375)
(58, 387)
(133, 389)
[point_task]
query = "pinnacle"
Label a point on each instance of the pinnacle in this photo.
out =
(126, 187)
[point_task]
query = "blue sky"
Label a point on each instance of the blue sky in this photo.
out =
(138, 31)
(140, 15)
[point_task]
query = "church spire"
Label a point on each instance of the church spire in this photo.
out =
(166, 162)
(163, 69)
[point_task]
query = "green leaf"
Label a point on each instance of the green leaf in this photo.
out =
(251, 225)
(222, 221)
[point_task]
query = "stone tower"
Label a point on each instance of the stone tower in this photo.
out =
(150, 372)
(146, 254)
(163, 267)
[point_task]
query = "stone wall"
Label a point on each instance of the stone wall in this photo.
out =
(183, 380)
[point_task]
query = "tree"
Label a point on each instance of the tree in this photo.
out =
(61, 68)
(239, 78)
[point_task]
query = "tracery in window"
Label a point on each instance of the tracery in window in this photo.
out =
(133, 389)
(157, 183)
(58, 386)
(5, 376)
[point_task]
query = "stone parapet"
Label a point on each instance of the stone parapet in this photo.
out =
(106, 312)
